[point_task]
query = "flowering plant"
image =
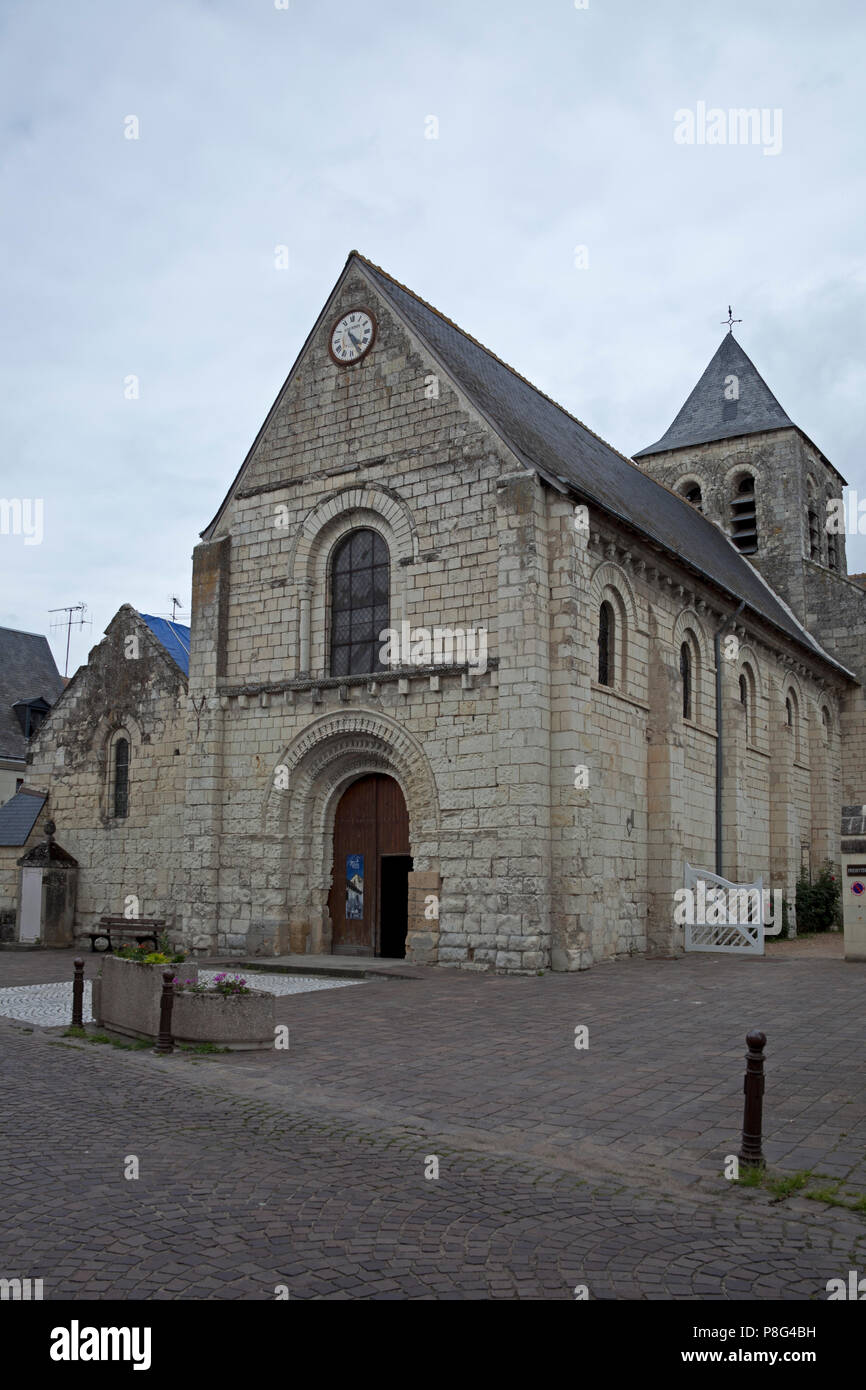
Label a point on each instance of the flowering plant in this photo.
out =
(222, 984)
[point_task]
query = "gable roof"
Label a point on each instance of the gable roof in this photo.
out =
(708, 415)
(27, 672)
(173, 636)
(569, 456)
(19, 815)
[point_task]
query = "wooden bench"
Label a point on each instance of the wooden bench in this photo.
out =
(138, 929)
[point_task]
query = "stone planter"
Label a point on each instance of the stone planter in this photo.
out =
(126, 994)
(236, 1021)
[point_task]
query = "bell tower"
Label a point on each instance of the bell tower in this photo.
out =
(734, 452)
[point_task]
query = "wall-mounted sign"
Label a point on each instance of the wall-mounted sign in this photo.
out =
(856, 871)
(858, 888)
(354, 886)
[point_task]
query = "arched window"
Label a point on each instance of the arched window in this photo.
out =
(120, 778)
(825, 723)
(606, 644)
(792, 719)
(812, 523)
(692, 493)
(744, 522)
(832, 545)
(686, 676)
(747, 700)
(360, 593)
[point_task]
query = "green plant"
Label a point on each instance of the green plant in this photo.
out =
(819, 901)
(144, 956)
(222, 984)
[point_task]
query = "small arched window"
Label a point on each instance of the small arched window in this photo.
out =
(792, 720)
(825, 723)
(744, 521)
(120, 778)
(692, 493)
(606, 642)
(360, 594)
(832, 544)
(812, 524)
(747, 700)
(686, 677)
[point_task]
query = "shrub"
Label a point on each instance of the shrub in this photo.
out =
(144, 956)
(819, 901)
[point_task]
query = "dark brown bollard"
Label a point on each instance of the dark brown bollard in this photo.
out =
(78, 993)
(165, 1042)
(753, 1085)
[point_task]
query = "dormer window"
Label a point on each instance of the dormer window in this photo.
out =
(31, 714)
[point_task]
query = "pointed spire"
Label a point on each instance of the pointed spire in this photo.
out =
(730, 399)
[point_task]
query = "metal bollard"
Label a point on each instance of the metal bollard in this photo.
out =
(78, 993)
(165, 1042)
(753, 1086)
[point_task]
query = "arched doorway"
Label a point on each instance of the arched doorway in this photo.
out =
(368, 902)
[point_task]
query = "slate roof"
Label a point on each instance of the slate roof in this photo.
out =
(707, 415)
(545, 437)
(550, 441)
(27, 671)
(173, 636)
(19, 815)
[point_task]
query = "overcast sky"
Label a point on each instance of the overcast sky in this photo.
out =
(307, 127)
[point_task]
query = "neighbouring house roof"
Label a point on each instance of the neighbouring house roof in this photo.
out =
(19, 815)
(27, 672)
(173, 636)
(552, 442)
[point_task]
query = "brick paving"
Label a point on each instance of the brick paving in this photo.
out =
(557, 1167)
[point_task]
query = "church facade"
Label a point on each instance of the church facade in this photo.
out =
(596, 670)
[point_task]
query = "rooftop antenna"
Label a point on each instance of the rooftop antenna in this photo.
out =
(730, 320)
(69, 622)
(175, 605)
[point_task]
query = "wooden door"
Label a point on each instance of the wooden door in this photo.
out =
(371, 821)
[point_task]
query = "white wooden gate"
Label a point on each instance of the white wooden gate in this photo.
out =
(736, 915)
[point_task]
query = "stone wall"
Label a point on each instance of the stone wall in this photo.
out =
(550, 816)
(144, 695)
(528, 866)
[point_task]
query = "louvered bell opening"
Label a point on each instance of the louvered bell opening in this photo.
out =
(744, 525)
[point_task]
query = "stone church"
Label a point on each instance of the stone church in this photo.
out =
(599, 669)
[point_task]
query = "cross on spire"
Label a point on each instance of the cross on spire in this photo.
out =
(730, 320)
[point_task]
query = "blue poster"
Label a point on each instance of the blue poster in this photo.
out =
(354, 886)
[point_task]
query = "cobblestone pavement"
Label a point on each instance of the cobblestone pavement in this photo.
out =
(237, 1196)
(558, 1167)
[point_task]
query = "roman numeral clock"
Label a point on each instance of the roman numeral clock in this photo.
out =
(352, 336)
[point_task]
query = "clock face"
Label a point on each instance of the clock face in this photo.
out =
(352, 336)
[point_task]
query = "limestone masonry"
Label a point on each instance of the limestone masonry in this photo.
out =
(533, 814)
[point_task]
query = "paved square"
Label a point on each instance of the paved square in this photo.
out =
(557, 1167)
